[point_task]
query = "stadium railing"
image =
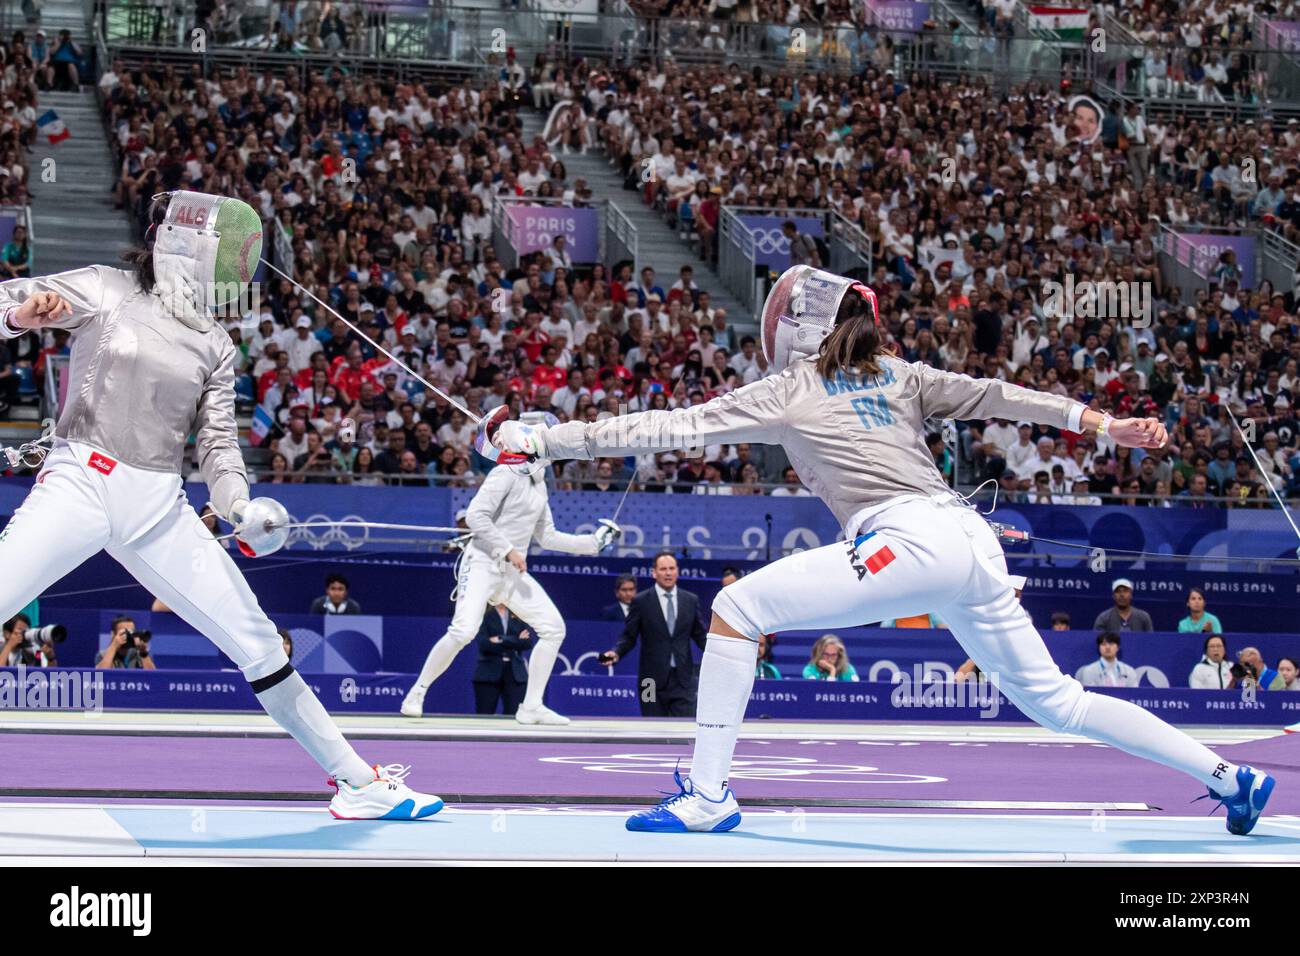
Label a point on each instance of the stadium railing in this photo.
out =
(444, 41)
(739, 248)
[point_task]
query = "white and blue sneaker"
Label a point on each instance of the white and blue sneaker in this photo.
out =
(384, 798)
(689, 810)
(1254, 787)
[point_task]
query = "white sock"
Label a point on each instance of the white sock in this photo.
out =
(726, 678)
(540, 664)
(1138, 731)
(440, 657)
(295, 708)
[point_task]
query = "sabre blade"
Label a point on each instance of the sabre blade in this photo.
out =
(1267, 478)
(476, 419)
(619, 509)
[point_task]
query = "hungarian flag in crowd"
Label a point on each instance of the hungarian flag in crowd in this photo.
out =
(53, 127)
(261, 427)
(1068, 23)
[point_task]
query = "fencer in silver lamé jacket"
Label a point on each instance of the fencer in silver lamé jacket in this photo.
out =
(142, 381)
(858, 441)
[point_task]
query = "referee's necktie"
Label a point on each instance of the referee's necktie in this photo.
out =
(671, 616)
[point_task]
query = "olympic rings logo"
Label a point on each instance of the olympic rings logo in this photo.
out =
(321, 538)
(768, 241)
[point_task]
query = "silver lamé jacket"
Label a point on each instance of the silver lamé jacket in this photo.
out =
(141, 380)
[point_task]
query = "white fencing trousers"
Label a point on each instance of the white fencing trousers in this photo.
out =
(483, 581)
(84, 502)
(924, 555)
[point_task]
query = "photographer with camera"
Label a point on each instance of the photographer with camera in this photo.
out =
(28, 646)
(127, 647)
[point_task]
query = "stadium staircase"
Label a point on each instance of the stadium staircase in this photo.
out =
(658, 244)
(74, 223)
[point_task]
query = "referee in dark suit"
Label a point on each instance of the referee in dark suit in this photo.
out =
(666, 619)
(500, 674)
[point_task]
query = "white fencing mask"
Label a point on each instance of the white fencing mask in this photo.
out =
(802, 309)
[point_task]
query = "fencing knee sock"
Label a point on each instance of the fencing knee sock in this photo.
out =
(1133, 729)
(287, 698)
(540, 664)
(439, 659)
(726, 678)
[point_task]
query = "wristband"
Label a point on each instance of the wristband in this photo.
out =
(1104, 425)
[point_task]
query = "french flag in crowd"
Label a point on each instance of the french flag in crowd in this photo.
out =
(261, 425)
(53, 127)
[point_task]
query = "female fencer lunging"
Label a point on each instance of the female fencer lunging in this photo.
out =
(507, 513)
(851, 416)
(150, 367)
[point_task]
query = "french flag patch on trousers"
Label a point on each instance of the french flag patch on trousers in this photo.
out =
(880, 560)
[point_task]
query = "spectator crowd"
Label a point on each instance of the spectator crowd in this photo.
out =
(975, 203)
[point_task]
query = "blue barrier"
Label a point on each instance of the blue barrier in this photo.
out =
(364, 644)
(402, 580)
(586, 696)
(414, 585)
(706, 525)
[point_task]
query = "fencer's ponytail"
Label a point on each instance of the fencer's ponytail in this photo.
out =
(141, 260)
(855, 342)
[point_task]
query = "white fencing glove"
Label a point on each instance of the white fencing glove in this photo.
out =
(261, 526)
(607, 534)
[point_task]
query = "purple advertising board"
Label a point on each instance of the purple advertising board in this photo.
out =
(771, 248)
(904, 16)
(534, 227)
(1282, 34)
(1201, 251)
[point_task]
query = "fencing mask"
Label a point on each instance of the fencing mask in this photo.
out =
(535, 419)
(802, 309)
(205, 251)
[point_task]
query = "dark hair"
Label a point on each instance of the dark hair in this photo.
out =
(141, 260)
(1061, 617)
(10, 624)
(335, 578)
(118, 621)
(654, 563)
(855, 341)
(730, 570)
(1108, 637)
(1291, 659)
(286, 636)
(1205, 648)
(624, 579)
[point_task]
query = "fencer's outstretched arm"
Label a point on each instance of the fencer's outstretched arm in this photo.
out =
(216, 437)
(481, 515)
(754, 413)
(953, 395)
(82, 289)
(552, 540)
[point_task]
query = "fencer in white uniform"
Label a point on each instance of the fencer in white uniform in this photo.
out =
(149, 367)
(852, 419)
(510, 510)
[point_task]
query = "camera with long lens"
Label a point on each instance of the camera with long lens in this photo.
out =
(49, 634)
(35, 640)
